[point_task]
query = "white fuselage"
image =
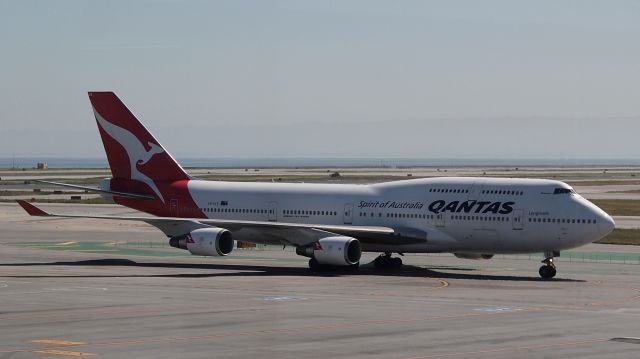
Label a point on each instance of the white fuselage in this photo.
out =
(462, 215)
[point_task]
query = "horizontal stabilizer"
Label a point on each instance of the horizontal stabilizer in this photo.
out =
(31, 209)
(93, 189)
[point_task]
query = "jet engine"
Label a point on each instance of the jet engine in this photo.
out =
(212, 241)
(475, 256)
(337, 251)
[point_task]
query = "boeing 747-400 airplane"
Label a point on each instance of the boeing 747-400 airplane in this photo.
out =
(333, 224)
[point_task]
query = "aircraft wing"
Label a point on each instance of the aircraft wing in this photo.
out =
(280, 232)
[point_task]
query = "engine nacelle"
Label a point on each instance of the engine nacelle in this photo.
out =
(475, 256)
(337, 251)
(212, 241)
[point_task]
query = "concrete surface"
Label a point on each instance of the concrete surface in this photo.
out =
(60, 299)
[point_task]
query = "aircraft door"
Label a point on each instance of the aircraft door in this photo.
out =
(474, 191)
(440, 219)
(517, 219)
(273, 211)
(348, 213)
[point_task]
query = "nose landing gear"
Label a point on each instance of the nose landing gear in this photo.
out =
(548, 270)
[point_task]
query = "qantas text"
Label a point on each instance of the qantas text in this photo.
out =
(471, 207)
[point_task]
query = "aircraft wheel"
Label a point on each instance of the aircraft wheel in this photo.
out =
(387, 262)
(547, 272)
(380, 262)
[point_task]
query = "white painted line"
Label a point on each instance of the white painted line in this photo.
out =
(280, 299)
(498, 310)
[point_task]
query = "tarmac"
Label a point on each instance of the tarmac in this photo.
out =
(116, 290)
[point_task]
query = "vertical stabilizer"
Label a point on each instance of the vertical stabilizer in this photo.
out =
(132, 151)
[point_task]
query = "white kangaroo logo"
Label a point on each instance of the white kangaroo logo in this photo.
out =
(138, 154)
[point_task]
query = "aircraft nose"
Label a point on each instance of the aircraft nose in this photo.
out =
(605, 224)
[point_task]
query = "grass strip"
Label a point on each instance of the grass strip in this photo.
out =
(622, 236)
(619, 207)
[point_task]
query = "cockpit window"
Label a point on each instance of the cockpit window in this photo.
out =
(563, 191)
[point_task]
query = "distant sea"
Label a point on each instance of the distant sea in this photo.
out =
(29, 162)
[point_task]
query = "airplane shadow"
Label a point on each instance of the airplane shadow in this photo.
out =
(242, 270)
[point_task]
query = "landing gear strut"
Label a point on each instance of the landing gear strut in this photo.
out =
(385, 261)
(548, 270)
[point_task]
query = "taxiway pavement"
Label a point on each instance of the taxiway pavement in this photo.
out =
(75, 288)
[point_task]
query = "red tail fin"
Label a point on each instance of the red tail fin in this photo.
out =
(132, 151)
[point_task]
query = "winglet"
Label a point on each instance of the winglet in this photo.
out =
(31, 209)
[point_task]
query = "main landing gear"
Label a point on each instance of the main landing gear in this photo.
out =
(385, 261)
(548, 270)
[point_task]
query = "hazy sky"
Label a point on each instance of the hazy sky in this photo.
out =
(424, 79)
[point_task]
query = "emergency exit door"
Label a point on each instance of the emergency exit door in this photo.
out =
(348, 213)
(517, 219)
